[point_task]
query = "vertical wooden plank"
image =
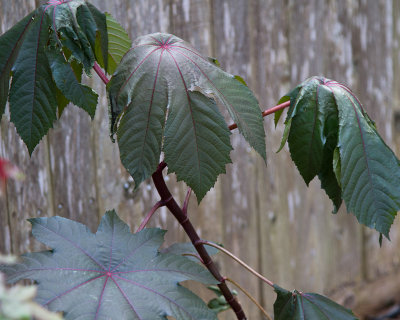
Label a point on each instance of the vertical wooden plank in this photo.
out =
(304, 245)
(191, 20)
(272, 61)
(373, 33)
(73, 175)
(233, 25)
(115, 187)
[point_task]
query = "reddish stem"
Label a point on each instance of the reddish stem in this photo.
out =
(267, 112)
(184, 221)
(181, 214)
(100, 73)
(186, 203)
(148, 216)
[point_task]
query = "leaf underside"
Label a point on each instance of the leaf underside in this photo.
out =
(330, 135)
(300, 306)
(112, 274)
(164, 97)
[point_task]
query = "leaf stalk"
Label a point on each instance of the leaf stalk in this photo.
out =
(231, 255)
(100, 73)
(186, 203)
(184, 221)
(148, 216)
(250, 297)
(266, 112)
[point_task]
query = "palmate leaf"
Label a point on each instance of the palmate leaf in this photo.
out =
(311, 306)
(165, 95)
(330, 135)
(112, 274)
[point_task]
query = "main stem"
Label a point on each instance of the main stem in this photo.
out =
(182, 217)
(184, 221)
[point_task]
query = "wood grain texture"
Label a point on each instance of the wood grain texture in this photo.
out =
(263, 214)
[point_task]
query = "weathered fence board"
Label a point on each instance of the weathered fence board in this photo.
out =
(264, 214)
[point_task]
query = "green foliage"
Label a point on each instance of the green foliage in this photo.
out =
(10, 43)
(102, 36)
(163, 72)
(33, 104)
(46, 52)
(118, 44)
(112, 274)
(330, 135)
(219, 304)
(299, 306)
(67, 82)
(164, 98)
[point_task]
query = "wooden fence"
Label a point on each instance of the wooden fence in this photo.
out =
(264, 214)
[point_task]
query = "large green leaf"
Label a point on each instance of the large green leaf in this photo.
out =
(66, 80)
(112, 274)
(162, 73)
(141, 129)
(87, 23)
(330, 135)
(232, 94)
(10, 43)
(327, 175)
(33, 102)
(370, 171)
(297, 305)
(197, 144)
(306, 131)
